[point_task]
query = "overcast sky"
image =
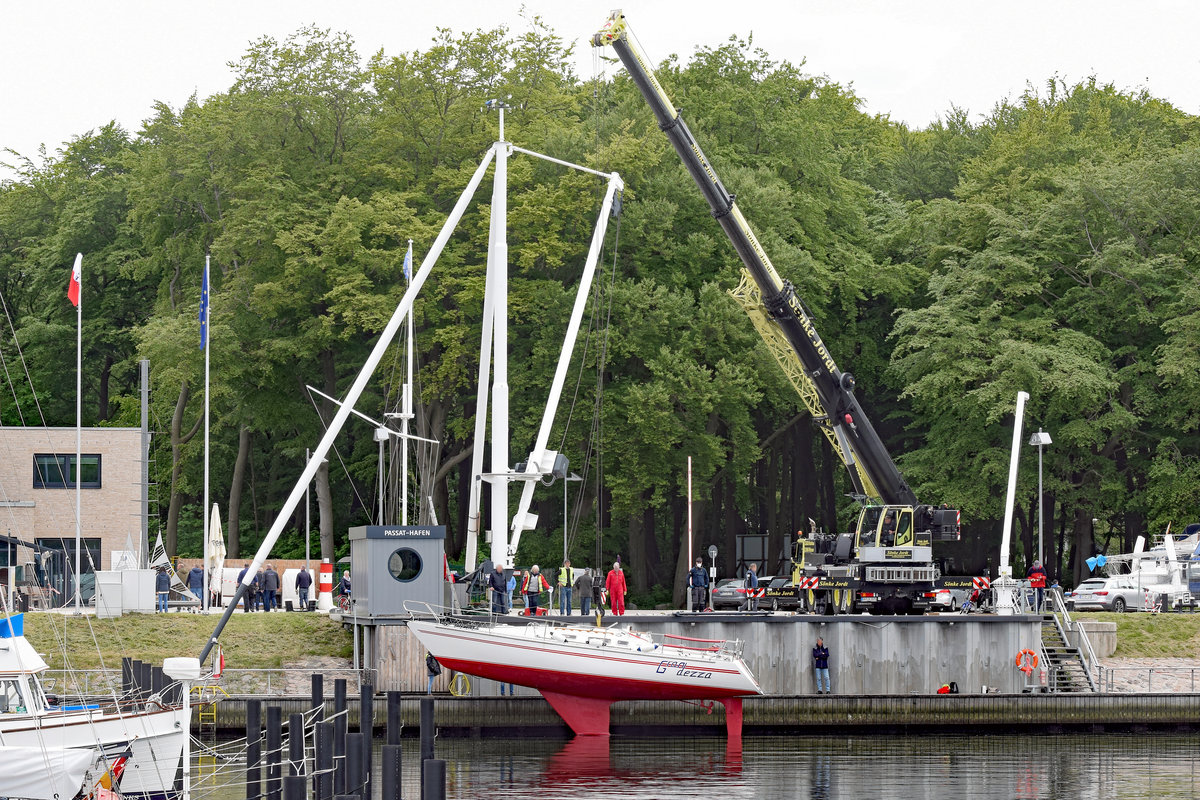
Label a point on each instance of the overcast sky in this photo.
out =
(70, 66)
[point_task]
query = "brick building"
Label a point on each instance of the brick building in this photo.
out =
(37, 501)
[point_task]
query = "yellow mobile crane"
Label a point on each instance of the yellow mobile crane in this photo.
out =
(886, 564)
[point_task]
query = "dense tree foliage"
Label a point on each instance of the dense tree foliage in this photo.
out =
(1049, 247)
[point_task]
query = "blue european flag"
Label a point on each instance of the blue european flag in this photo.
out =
(204, 308)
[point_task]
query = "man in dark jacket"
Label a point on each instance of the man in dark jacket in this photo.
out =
(698, 584)
(584, 586)
(196, 582)
(162, 588)
(498, 585)
(303, 584)
(270, 588)
(752, 587)
(251, 589)
(821, 665)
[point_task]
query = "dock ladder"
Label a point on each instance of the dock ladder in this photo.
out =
(1069, 666)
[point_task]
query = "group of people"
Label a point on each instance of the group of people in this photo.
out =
(262, 591)
(566, 583)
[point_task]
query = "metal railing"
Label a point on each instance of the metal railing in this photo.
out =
(280, 682)
(1160, 680)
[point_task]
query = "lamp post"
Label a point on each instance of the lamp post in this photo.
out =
(1041, 438)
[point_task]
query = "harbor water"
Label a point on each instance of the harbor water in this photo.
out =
(1108, 766)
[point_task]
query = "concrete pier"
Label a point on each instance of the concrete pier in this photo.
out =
(869, 655)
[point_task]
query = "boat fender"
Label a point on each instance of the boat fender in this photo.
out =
(1027, 660)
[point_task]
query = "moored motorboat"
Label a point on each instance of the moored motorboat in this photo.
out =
(150, 732)
(581, 670)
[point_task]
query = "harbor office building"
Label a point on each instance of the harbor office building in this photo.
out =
(37, 507)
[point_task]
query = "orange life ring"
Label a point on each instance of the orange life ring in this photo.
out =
(1027, 660)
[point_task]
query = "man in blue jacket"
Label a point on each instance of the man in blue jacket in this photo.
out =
(821, 664)
(698, 584)
(162, 587)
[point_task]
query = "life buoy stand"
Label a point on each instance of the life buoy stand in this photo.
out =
(1027, 661)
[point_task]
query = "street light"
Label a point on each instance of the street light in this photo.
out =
(1041, 439)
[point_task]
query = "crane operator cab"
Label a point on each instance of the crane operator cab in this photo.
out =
(889, 533)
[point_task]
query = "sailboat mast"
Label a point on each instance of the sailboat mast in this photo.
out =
(497, 286)
(408, 411)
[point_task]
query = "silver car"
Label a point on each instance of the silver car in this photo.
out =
(1106, 594)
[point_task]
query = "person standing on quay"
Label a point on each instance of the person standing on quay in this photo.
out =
(584, 584)
(196, 582)
(821, 664)
(303, 584)
(535, 584)
(270, 587)
(752, 587)
(565, 587)
(162, 587)
(615, 583)
(1037, 582)
(499, 586)
(698, 584)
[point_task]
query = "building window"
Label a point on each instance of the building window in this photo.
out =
(404, 564)
(57, 471)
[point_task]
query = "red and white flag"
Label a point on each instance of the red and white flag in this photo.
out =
(73, 286)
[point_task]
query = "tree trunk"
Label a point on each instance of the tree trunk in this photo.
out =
(634, 563)
(324, 494)
(1084, 543)
(235, 492)
(178, 440)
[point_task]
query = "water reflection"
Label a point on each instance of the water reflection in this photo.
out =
(823, 767)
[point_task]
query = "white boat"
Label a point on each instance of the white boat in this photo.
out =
(581, 670)
(152, 731)
(42, 773)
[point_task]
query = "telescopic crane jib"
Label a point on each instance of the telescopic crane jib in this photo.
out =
(881, 535)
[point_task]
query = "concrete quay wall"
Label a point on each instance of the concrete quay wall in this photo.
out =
(869, 655)
(804, 714)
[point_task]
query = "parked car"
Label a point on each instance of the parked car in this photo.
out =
(1106, 594)
(780, 595)
(944, 599)
(728, 594)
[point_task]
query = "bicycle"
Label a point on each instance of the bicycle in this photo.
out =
(343, 602)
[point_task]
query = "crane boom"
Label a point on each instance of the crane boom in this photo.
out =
(859, 441)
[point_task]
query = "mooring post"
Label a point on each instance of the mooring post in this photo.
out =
(146, 681)
(318, 697)
(323, 755)
(433, 779)
(341, 725)
(296, 745)
(355, 784)
(274, 751)
(253, 749)
(294, 787)
(395, 722)
(126, 676)
(427, 732)
(390, 777)
(366, 726)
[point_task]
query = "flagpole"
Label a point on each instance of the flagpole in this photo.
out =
(78, 270)
(204, 331)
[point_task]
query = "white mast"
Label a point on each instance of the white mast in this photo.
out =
(407, 407)
(204, 331)
(497, 282)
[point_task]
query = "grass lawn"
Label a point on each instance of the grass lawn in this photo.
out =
(250, 641)
(1139, 635)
